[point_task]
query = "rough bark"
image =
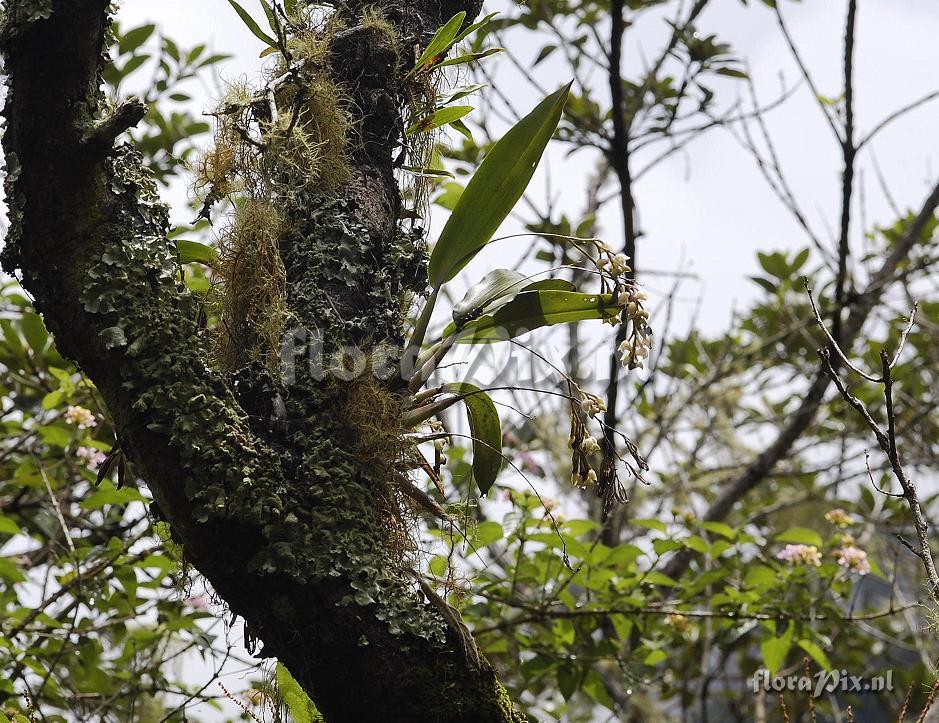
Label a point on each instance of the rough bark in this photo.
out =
(282, 519)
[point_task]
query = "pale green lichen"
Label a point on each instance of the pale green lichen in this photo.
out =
(333, 529)
(18, 15)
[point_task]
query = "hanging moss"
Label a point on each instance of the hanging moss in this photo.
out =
(252, 287)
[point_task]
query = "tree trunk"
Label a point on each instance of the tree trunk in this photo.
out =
(279, 510)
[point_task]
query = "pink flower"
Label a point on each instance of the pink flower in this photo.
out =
(197, 602)
(800, 555)
(854, 559)
(93, 457)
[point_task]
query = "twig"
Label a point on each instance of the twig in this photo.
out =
(887, 440)
(831, 339)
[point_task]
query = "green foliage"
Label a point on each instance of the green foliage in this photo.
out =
(486, 431)
(301, 708)
(169, 134)
(496, 186)
(252, 24)
(530, 310)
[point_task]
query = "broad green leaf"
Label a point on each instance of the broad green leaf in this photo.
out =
(697, 544)
(9, 526)
(500, 285)
(301, 708)
(719, 528)
(462, 129)
(440, 117)
(486, 533)
(486, 430)
(474, 27)
(775, 650)
(441, 42)
(800, 536)
(10, 572)
(532, 310)
(252, 25)
(493, 285)
(11, 336)
(133, 39)
(35, 332)
(658, 578)
(496, 186)
(193, 251)
(651, 523)
(53, 399)
(818, 655)
(108, 494)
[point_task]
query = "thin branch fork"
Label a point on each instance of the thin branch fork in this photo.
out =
(887, 440)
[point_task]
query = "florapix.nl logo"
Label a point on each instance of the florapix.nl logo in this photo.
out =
(821, 683)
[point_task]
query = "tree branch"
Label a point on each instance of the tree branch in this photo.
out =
(803, 417)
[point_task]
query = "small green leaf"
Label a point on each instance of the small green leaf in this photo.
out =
(799, 261)
(9, 526)
(440, 117)
(35, 332)
(486, 430)
(301, 708)
(651, 524)
(732, 73)
(486, 533)
(544, 53)
(443, 39)
(462, 129)
(818, 655)
(470, 57)
(193, 251)
(496, 186)
(774, 264)
(775, 650)
(133, 39)
(252, 25)
(53, 399)
(10, 572)
(466, 90)
(720, 528)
